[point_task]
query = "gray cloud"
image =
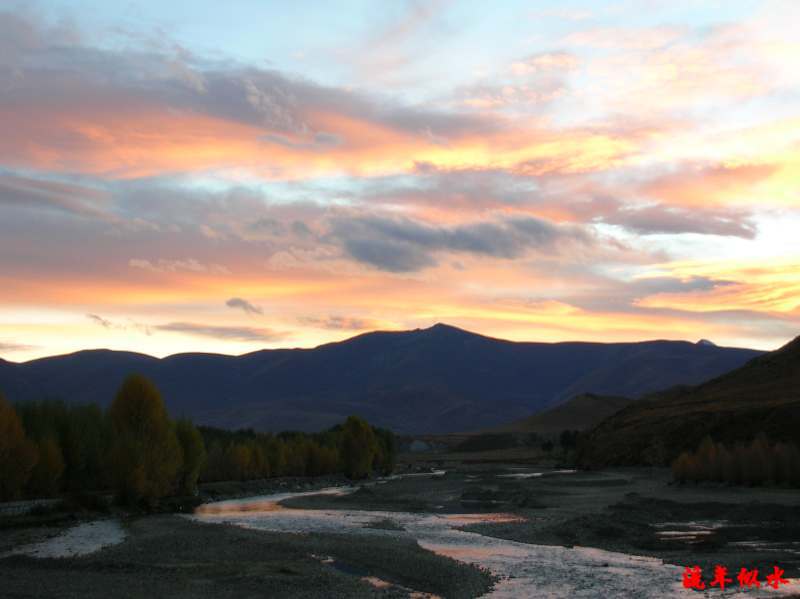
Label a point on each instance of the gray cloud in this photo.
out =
(653, 285)
(388, 255)
(79, 200)
(462, 188)
(586, 200)
(403, 245)
(659, 219)
(221, 332)
(243, 304)
(269, 225)
(611, 295)
(300, 229)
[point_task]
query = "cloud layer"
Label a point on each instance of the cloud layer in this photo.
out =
(602, 179)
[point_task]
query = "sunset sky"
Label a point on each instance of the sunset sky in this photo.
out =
(229, 176)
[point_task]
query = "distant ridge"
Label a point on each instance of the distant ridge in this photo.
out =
(761, 396)
(579, 413)
(435, 380)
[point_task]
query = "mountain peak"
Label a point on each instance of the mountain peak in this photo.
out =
(441, 326)
(706, 343)
(441, 329)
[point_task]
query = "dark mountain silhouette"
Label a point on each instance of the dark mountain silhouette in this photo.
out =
(440, 379)
(579, 413)
(761, 396)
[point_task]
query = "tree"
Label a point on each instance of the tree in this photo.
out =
(146, 455)
(276, 456)
(17, 453)
(46, 477)
(386, 460)
(682, 468)
(358, 447)
(298, 456)
(239, 460)
(194, 456)
(215, 463)
(86, 445)
(759, 463)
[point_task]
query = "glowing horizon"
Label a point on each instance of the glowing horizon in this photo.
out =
(226, 179)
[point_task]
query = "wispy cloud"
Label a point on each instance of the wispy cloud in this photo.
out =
(221, 332)
(189, 264)
(103, 322)
(342, 323)
(11, 347)
(126, 325)
(41, 193)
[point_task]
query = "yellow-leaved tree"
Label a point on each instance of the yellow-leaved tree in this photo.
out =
(145, 455)
(358, 447)
(17, 453)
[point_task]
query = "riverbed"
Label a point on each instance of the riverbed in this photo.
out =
(522, 569)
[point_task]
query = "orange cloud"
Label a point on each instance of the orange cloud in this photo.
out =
(156, 140)
(704, 186)
(773, 289)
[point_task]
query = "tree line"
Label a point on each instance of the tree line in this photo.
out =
(137, 451)
(757, 463)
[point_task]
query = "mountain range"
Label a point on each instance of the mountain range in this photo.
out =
(435, 380)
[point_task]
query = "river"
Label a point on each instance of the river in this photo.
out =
(524, 570)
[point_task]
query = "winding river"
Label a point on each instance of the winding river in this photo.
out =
(524, 570)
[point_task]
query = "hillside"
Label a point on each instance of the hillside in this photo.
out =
(579, 413)
(436, 380)
(761, 396)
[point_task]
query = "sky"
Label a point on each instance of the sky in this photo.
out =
(227, 177)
